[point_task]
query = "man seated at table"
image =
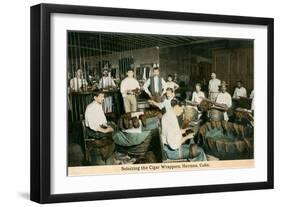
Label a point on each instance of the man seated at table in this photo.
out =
(173, 139)
(166, 104)
(95, 119)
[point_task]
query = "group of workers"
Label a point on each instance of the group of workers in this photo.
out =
(162, 95)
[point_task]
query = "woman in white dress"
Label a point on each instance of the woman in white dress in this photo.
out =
(171, 84)
(197, 95)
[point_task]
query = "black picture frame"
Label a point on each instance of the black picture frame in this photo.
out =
(41, 96)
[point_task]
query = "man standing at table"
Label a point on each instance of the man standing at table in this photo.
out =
(155, 86)
(128, 88)
(77, 82)
(225, 99)
(107, 82)
(214, 84)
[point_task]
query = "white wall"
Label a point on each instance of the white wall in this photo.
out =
(140, 56)
(147, 56)
(14, 110)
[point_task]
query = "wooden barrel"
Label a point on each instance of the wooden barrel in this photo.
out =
(190, 113)
(142, 148)
(103, 148)
(230, 141)
(204, 105)
(216, 115)
(142, 105)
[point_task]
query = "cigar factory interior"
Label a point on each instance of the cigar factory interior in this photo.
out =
(149, 98)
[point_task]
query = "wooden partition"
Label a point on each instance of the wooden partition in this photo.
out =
(235, 64)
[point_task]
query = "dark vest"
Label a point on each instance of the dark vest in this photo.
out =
(152, 85)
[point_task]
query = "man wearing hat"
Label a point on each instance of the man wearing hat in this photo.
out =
(214, 84)
(107, 82)
(224, 98)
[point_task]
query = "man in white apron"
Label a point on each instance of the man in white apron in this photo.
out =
(107, 82)
(214, 84)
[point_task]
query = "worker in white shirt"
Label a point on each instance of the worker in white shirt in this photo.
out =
(214, 84)
(128, 88)
(155, 86)
(77, 82)
(166, 104)
(95, 119)
(171, 84)
(252, 96)
(107, 82)
(172, 136)
(225, 99)
(239, 91)
(197, 95)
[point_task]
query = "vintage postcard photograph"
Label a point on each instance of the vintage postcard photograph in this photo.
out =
(141, 103)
